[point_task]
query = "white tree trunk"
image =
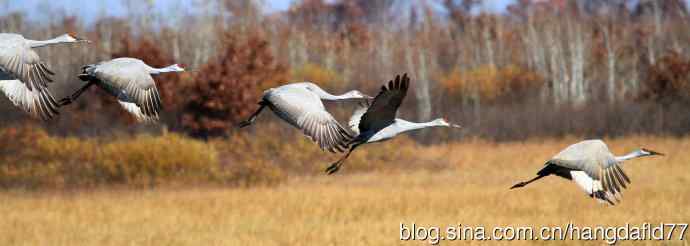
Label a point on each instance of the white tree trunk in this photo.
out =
(651, 56)
(384, 51)
(488, 44)
(535, 50)
(578, 84)
(611, 58)
(656, 9)
(557, 69)
(423, 88)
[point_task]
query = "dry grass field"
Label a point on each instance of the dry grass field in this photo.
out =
(359, 208)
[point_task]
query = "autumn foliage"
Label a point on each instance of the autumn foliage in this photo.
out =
(507, 74)
(492, 84)
(668, 80)
(225, 90)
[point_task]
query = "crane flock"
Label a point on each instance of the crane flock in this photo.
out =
(24, 79)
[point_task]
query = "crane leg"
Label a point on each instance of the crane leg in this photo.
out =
(252, 118)
(73, 97)
(336, 166)
(521, 184)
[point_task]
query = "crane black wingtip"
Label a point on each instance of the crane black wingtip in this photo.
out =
(405, 82)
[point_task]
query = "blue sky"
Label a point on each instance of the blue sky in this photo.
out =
(89, 10)
(112, 7)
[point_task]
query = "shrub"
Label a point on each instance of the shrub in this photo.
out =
(492, 84)
(30, 158)
(302, 157)
(314, 73)
(668, 80)
(227, 89)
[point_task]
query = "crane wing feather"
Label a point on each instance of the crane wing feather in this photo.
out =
(594, 158)
(131, 82)
(383, 109)
(27, 86)
(24, 64)
(135, 110)
(307, 113)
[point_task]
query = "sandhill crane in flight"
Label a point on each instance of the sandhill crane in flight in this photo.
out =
(299, 104)
(378, 122)
(593, 168)
(24, 77)
(129, 80)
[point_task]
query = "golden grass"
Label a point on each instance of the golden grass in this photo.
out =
(33, 159)
(357, 208)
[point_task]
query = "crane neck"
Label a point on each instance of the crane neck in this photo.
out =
(168, 69)
(410, 126)
(62, 39)
(631, 155)
(330, 97)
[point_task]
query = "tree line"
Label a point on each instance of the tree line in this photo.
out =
(538, 68)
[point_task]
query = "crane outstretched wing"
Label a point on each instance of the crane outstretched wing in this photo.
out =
(133, 85)
(30, 91)
(383, 109)
(308, 114)
(24, 64)
(607, 171)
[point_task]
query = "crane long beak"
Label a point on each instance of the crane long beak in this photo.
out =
(651, 152)
(455, 126)
(82, 40)
(656, 153)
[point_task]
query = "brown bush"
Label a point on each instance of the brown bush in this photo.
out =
(33, 159)
(667, 80)
(326, 78)
(263, 153)
(492, 84)
(227, 89)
